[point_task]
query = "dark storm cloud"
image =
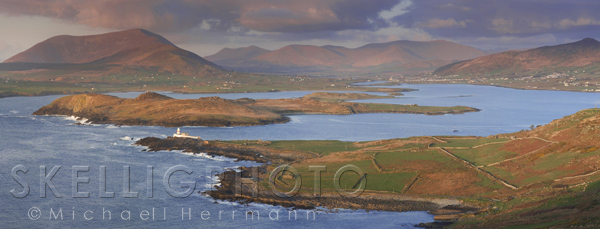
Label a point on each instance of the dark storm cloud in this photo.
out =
(476, 18)
(179, 15)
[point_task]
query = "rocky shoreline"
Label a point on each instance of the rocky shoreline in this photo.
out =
(445, 211)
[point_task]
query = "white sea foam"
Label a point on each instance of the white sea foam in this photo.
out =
(71, 118)
(204, 155)
(211, 181)
(78, 120)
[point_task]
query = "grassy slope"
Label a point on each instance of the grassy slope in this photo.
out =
(392, 166)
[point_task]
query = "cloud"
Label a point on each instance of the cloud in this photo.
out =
(397, 10)
(180, 15)
(582, 21)
(503, 26)
(447, 23)
(450, 19)
(302, 16)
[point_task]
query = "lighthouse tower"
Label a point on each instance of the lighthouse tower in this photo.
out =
(178, 131)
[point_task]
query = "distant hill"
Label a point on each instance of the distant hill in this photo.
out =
(233, 57)
(135, 48)
(582, 55)
(404, 56)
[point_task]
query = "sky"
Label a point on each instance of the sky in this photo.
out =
(207, 26)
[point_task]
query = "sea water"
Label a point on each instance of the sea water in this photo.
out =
(38, 144)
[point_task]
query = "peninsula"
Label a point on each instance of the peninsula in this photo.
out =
(158, 110)
(546, 176)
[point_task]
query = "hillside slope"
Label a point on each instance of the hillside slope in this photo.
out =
(580, 55)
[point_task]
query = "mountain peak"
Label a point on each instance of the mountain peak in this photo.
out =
(587, 41)
(133, 47)
(233, 55)
(254, 47)
(84, 49)
(159, 38)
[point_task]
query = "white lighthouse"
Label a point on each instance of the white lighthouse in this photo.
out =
(178, 134)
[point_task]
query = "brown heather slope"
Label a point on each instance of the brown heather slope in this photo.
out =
(129, 48)
(155, 109)
(402, 54)
(560, 183)
(584, 54)
(574, 149)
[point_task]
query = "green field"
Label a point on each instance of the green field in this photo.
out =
(484, 155)
(322, 147)
(461, 142)
(394, 158)
(60, 82)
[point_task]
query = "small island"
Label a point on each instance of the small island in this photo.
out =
(159, 110)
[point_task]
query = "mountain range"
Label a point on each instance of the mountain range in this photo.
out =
(402, 55)
(137, 50)
(117, 51)
(581, 55)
